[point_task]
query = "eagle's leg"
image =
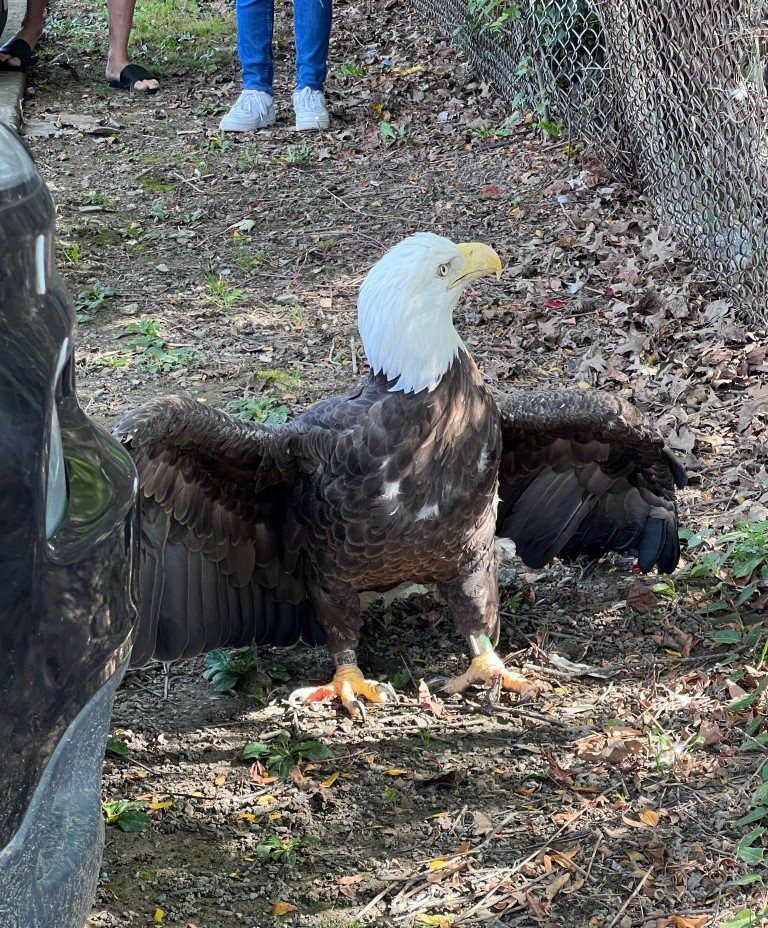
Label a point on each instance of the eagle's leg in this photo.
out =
(338, 611)
(474, 602)
(348, 684)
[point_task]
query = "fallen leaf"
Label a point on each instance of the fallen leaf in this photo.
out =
(158, 916)
(220, 780)
(555, 886)
(396, 772)
(650, 817)
(282, 908)
(448, 780)
(350, 880)
(640, 599)
(330, 781)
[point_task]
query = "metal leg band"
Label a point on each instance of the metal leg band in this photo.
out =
(345, 658)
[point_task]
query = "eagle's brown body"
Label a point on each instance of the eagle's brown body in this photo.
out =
(408, 495)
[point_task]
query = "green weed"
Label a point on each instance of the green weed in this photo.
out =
(391, 797)
(264, 409)
(147, 348)
(348, 70)
(242, 670)
(221, 292)
(89, 300)
(393, 134)
(283, 850)
(127, 815)
(93, 198)
(279, 755)
(246, 259)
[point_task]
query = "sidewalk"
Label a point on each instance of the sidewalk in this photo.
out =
(12, 84)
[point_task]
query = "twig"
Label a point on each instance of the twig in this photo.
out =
(205, 193)
(592, 858)
(635, 891)
(330, 760)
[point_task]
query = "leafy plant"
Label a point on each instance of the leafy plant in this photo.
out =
(147, 348)
(400, 679)
(393, 134)
(116, 746)
(498, 132)
(390, 797)
(248, 156)
(231, 670)
(279, 755)
(127, 815)
(737, 563)
(349, 70)
(283, 850)
(221, 292)
(553, 129)
(264, 409)
(219, 143)
(298, 155)
(88, 301)
(246, 259)
(93, 198)
(74, 254)
(490, 16)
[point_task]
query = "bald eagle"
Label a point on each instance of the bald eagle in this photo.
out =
(268, 534)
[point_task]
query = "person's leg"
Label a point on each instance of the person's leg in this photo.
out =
(255, 107)
(120, 13)
(30, 32)
(255, 27)
(312, 27)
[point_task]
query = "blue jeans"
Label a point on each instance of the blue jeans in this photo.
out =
(312, 31)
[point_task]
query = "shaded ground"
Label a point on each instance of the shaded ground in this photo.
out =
(227, 268)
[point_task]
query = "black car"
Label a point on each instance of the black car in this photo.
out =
(68, 558)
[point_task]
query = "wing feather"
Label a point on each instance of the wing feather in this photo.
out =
(218, 568)
(582, 473)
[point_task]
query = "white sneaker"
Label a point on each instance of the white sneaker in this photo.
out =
(311, 111)
(254, 109)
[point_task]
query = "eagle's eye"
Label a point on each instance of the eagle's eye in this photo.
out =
(442, 271)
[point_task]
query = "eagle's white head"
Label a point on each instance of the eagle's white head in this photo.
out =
(406, 303)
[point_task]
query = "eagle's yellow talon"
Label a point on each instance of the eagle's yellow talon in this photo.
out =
(348, 685)
(489, 669)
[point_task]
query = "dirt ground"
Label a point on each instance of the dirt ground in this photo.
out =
(226, 268)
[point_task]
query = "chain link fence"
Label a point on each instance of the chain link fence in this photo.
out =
(668, 94)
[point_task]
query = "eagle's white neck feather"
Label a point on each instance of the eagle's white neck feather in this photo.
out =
(405, 313)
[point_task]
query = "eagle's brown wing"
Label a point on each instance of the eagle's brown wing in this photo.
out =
(581, 473)
(218, 567)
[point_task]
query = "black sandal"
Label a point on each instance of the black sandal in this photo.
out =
(18, 48)
(130, 75)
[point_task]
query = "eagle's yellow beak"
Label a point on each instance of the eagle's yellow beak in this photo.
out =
(479, 261)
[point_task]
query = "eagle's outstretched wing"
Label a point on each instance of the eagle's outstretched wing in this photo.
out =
(217, 557)
(581, 473)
